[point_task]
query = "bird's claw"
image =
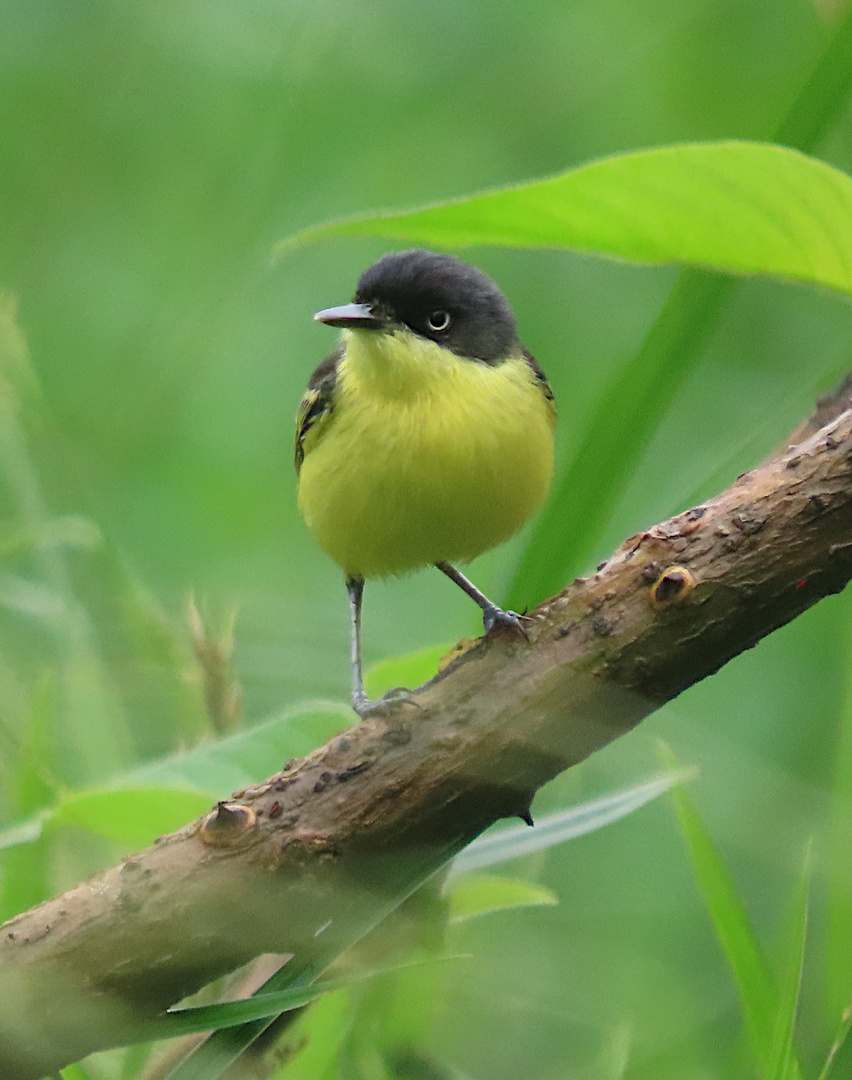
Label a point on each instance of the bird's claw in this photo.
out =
(496, 617)
(399, 695)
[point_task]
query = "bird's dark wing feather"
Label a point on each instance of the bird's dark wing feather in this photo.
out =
(541, 379)
(317, 402)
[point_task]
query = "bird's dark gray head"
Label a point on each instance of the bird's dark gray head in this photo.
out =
(441, 298)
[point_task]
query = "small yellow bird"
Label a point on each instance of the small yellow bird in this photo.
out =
(426, 437)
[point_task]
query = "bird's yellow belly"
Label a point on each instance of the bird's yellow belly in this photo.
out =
(394, 485)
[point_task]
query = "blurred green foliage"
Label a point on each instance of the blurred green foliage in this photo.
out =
(151, 359)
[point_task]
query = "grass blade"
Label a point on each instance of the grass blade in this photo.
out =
(845, 1026)
(838, 947)
(514, 842)
(564, 536)
(238, 1023)
(783, 1064)
(266, 1004)
(742, 949)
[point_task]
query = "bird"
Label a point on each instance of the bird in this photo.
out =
(426, 437)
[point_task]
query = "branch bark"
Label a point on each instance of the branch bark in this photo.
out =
(307, 862)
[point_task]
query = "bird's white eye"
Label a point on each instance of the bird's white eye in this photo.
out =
(438, 320)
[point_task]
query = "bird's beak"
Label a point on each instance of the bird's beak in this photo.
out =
(351, 316)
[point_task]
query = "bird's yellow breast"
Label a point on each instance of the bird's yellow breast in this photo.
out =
(425, 456)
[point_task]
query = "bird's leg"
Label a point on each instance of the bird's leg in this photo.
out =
(355, 588)
(360, 702)
(491, 614)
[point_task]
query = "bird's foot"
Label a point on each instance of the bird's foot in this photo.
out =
(365, 706)
(493, 616)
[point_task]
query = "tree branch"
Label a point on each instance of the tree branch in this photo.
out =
(307, 862)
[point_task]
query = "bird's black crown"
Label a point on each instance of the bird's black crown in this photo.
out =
(444, 299)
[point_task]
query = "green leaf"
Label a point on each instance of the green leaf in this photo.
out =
(251, 754)
(758, 997)
(738, 207)
(480, 894)
(411, 670)
(133, 817)
(517, 841)
(163, 795)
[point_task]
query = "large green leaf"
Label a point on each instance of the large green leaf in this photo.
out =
(252, 754)
(744, 208)
(131, 816)
(162, 795)
(738, 207)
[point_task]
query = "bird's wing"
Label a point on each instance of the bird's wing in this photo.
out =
(317, 403)
(541, 380)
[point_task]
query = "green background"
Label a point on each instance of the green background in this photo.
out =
(150, 156)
